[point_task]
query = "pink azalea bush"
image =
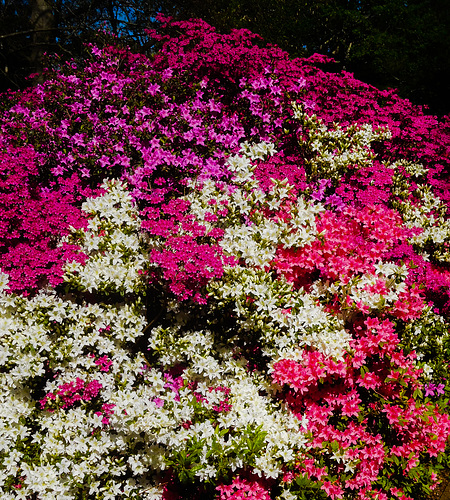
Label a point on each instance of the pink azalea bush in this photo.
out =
(224, 274)
(34, 219)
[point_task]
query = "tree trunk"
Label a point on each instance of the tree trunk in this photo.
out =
(42, 23)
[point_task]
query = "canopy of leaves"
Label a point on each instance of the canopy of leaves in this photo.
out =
(388, 43)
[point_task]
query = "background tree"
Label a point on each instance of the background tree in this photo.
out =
(30, 29)
(14, 30)
(389, 43)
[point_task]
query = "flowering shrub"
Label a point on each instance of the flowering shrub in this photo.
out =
(224, 274)
(33, 221)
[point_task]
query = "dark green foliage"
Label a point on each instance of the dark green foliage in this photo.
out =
(388, 43)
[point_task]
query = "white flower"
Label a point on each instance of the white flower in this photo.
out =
(206, 472)
(4, 279)
(286, 495)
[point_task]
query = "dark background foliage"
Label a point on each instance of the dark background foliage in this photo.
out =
(403, 44)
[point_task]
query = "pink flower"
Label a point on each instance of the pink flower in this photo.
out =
(241, 489)
(332, 490)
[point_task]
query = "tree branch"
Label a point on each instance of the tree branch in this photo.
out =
(28, 32)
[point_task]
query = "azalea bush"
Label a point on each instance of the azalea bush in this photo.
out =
(224, 274)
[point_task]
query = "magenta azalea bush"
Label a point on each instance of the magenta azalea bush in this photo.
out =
(225, 274)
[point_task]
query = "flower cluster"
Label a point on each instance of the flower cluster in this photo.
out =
(118, 256)
(33, 221)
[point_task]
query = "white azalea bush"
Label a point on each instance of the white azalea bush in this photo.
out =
(107, 417)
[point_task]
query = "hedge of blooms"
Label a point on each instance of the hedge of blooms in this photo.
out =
(225, 274)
